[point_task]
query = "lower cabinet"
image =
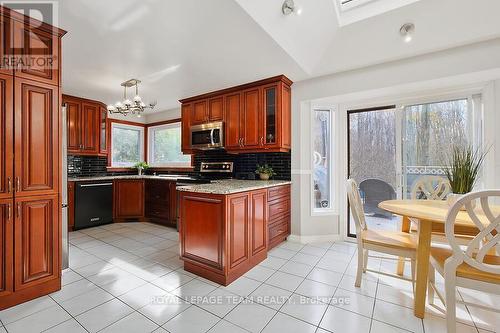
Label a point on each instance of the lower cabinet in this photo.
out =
(30, 242)
(36, 239)
(128, 199)
(7, 246)
(161, 202)
(223, 236)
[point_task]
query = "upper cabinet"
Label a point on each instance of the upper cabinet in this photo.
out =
(85, 126)
(256, 116)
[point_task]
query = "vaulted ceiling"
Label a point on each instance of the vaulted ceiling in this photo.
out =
(180, 48)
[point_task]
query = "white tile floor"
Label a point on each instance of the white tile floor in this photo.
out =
(117, 270)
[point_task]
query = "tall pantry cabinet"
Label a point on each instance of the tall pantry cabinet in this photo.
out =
(30, 159)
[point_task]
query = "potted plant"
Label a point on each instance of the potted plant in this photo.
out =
(462, 170)
(265, 171)
(141, 166)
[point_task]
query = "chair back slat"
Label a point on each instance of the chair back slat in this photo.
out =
(432, 187)
(488, 224)
(356, 205)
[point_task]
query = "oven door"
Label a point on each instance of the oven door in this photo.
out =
(207, 136)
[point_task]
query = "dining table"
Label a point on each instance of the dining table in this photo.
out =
(430, 215)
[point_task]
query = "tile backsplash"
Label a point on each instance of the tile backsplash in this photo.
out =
(244, 164)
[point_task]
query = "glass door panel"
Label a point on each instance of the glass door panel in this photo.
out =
(270, 101)
(430, 132)
(373, 163)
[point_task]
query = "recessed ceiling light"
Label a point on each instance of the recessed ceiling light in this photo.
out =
(407, 31)
(288, 7)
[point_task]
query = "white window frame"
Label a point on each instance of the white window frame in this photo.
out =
(141, 144)
(331, 210)
(151, 147)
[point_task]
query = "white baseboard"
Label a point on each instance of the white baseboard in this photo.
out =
(314, 239)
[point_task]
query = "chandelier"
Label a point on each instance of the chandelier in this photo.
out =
(135, 106)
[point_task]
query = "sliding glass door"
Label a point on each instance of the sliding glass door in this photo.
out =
(391, 147)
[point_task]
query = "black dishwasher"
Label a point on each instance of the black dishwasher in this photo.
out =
(93, 204)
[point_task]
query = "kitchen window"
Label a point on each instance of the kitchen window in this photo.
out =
(127, 145)
(322, 161)
(164, 142)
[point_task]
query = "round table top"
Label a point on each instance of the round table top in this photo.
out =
(431, 210)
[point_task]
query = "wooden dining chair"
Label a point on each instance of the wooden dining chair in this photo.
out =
(395, 243)
(475, 266)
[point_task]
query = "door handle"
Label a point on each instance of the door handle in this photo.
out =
(18, 184)
(18, 210)
(9, 212)
(9, 185)
(261, 140)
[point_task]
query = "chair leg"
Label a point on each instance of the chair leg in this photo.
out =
(432, 283)
(405, 227)
(413, 273)
(359, 272)
(365, 260)
(450, 296)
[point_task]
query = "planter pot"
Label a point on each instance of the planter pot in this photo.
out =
(264, 176)
(139, 171)
(454, 197)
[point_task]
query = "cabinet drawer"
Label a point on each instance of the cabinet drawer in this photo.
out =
(278, 191)
(279, 229)
(157, 210)
(278, 208)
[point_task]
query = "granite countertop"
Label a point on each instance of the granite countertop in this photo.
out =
(232, 186)
(97, 178)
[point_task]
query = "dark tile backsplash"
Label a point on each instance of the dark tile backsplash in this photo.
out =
(244, 164)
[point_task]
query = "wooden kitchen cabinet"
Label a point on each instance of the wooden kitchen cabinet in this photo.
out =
(39, 43)
(232, 238)
(85, 126)
(7, 246)
(128, 199)
(36, 239)
(30, 141)
(36, 138)
(278, 206)
(6, 136)
(256, 116)
(160, 202)
(186, 111)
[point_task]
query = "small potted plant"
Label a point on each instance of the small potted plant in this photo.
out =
(265, 171)
(462, 170)
(141, 166)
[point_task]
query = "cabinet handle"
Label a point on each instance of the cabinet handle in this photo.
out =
(9, 185)
(261, 140)
(9, 212)
(18, 184)
(18, 210)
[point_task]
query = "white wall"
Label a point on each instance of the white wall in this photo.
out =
(476, 66)
(156, 116)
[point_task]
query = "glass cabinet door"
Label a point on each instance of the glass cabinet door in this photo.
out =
(270, 117)
(102, 130)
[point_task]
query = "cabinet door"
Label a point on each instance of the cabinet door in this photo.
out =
(7, 246)
(91, 116)
(270, 116)
(216, 109)
(36, 138)
(73, 125)
(6, 136)
(5, 44)
(103, 139)
(286, 117)
(238, 229)
(186, 111)
(250, 122)
(129, 198)
(199, 115)
(258, 240)
(36, 239)
(233, 112)
(41, 49)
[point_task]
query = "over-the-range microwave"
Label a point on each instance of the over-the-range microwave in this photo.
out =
(207, 136)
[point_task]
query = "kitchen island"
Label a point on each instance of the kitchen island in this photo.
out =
(227, 227)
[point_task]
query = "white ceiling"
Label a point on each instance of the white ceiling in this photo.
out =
(180, 48)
